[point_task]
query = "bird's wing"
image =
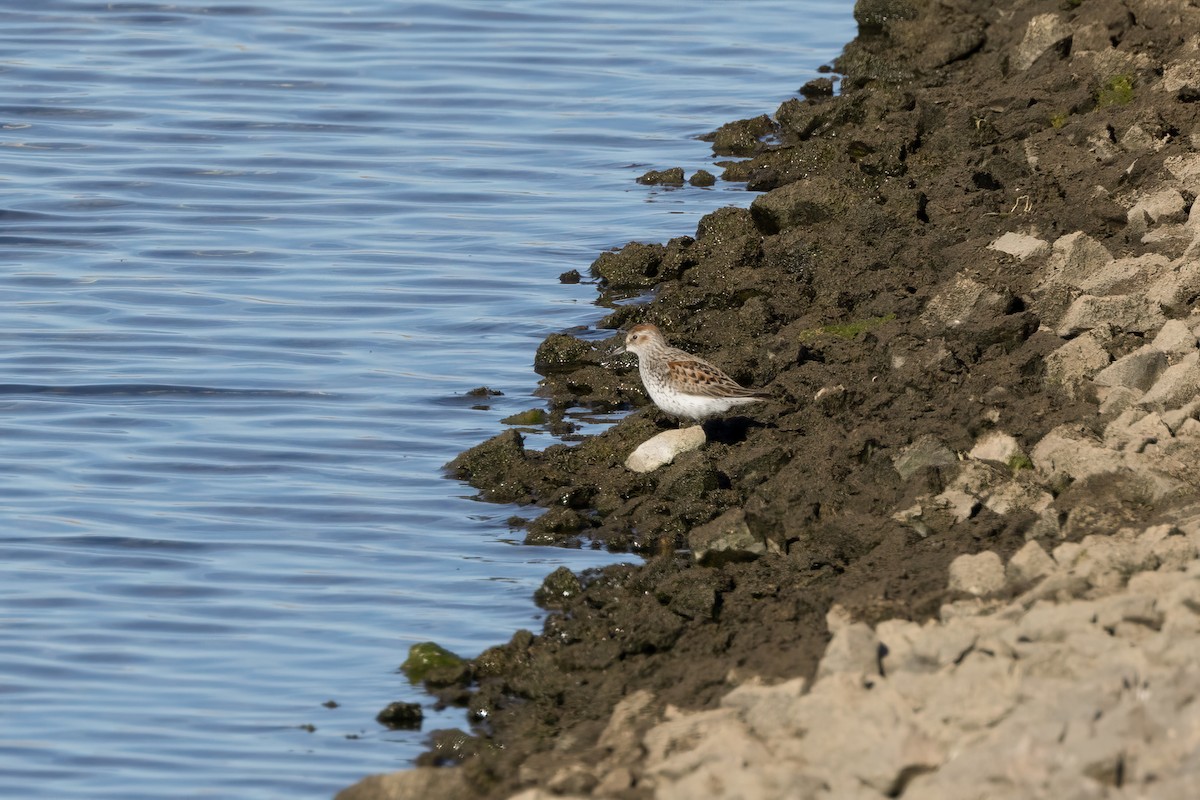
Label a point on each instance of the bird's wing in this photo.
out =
(696, 376)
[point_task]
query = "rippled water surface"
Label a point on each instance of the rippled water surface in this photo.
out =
(254, 256)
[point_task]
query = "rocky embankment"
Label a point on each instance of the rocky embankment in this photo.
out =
(957, 555)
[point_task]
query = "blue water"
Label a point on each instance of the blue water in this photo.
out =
(254, 254)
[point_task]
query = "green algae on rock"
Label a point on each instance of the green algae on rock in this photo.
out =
(428, 661)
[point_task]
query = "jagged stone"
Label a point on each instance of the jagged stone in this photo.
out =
(1178, 384)
(1042, 33)
(979, 574)
(1132, 313)
(1021, 246)
(1137, 370)
(996, 446)
(1029, 564)
(964, 298)
(925, 451)
(1079, 359)
(1175, 338)
(726, 538)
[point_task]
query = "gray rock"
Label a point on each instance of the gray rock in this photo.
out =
(1179, 384)
(925, 451)
(1075, 259)
(1041, 34)
(1079, 359)
(662, 449)
(1020, 246)
(979, 574)
(960, 504)
(964, 298)
(854, 649)
(1125, 275)
(1029, 564)
(1137, 370)
(1132, 313)
(1069, 451)
(726, 538)
(998, 447)
(1175, 338)
(1164, 205)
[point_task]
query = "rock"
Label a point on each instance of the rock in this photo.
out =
(1014, 496)
(421, 783)
(805, 202)
(1029, 564)
(401, 716)
(1134, 429)
(960, 504)
(428, 661)
(662, 177)
(1137, 370)
(998, 447)
(961, 300)
(741, 137)
(1043, 33)
(1178, 384)
(1176, 287)
(1125, 275)
(702, 177)
(1174, 338)
(1075, 259)
(495, 464)
(1132, 313)
(853, 649)
(1164, 205)
(1067, 451)
(662, 449)
(925, 451)
(1116, 399)
(1020, 246)
(1079, 359)
(558, 587)
(634, 266)
(726, 538)
(980, 574)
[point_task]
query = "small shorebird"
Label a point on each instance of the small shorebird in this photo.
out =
(680, 383)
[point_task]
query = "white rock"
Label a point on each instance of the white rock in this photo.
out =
(662, 449)
(854, 649)
(980, 574)
(1072, 452)
(925, 451)
(1020, 246)
(1043, 32)
(996, 446)
(1029, 564)
(1165, 205)
(1125, 275)
(1174, 338)
(961, 505)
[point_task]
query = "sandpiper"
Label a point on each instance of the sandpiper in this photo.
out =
(680, 383)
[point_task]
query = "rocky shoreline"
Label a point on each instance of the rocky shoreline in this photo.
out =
(957, 556)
